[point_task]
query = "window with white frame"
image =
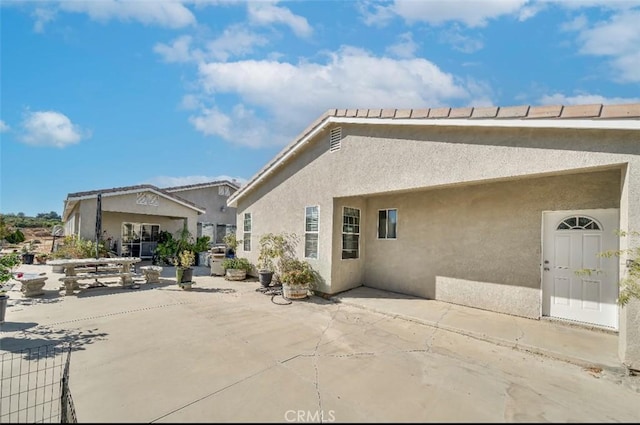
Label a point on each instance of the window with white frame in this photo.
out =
(387, 223)
(246, 237)
(311, 225)
(350, 232)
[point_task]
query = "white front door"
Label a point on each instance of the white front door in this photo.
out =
(571, 242)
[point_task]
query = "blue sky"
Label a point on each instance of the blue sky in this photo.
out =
(108, 93)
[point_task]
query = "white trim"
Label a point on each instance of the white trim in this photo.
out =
(342, 232)
(317, 232)
(562, 123)
(584, 123)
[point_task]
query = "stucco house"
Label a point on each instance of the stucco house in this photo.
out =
(133, 216)
(488, 207)
(218, 219)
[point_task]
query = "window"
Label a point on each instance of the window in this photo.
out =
(578, 223)
(350, 232)
(224, 191)
(246, 238)
(387, 223)
(311, 232)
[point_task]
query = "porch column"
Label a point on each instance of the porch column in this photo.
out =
(629, 329)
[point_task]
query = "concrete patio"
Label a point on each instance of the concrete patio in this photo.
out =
(226, 352)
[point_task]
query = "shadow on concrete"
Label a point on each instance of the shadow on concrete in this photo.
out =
(33, 338)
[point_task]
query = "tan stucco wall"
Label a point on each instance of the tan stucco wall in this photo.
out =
(387, 159)
(208, 198)
(478, 245)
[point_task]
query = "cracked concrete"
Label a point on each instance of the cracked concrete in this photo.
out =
(226, 353)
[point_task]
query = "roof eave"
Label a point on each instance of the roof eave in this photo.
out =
(559, 123)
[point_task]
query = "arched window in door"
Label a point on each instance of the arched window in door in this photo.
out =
(579, 222)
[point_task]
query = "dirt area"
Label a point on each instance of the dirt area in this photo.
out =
(40, 236)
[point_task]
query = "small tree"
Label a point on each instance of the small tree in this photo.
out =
(7, 264)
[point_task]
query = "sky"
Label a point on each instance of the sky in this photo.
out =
(108, 93)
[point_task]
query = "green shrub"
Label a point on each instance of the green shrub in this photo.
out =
(238, 263)
(76, 247)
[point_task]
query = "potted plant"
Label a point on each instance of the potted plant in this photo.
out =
(274, 248)
(236, 268)
(297, 277)
(184, 271)
(231, 242)
(28, 253)
(201, 247)
(7, 263)
(42, 257)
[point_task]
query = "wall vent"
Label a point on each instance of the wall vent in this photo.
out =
(335, 138)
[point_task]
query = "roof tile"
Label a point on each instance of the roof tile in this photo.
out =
(341, 112)
(546, 111)
(485, 112)
(513, 111)
(351, 113)
(581, 111)
(439, 112)
(388, 113)
(362, 113)
(374, 113)
(631, 110)
(460, 112)
(403, 113)
(420, 113)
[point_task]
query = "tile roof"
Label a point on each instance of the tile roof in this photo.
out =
(595, 111)
(201, 185)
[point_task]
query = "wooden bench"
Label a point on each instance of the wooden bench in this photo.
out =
(71, 282)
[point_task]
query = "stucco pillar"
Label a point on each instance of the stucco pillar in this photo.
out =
(629, 329)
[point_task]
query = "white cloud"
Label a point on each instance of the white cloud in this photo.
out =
(42, 16)
(167, 181)
(177, 51)
(405, 47)
(295, 94)
(584, 99)
(234, 41)
(267, 13)
(241, 127)
(617, 38)
(472, 13)
(460, 42)
(165, 13)
(50, 128)
(4, 127)
(190, 102)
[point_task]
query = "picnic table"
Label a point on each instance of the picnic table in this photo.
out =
(76, 269)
